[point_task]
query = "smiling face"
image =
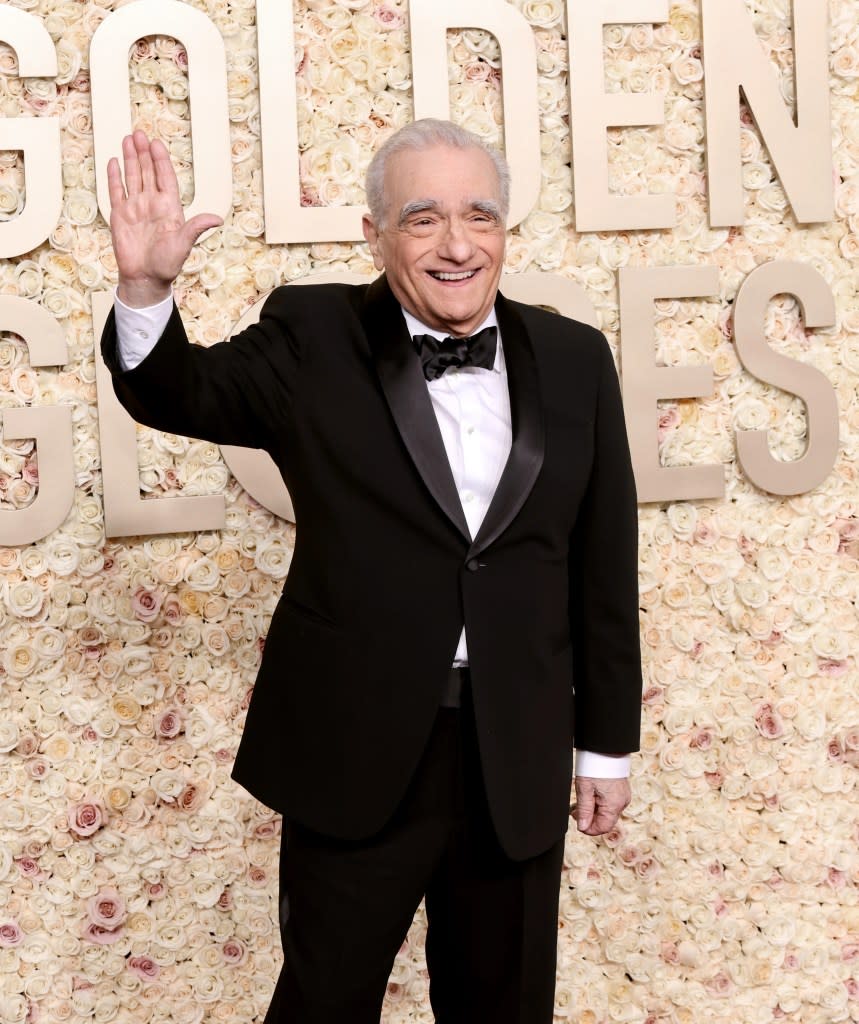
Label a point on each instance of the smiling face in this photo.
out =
(442, 239)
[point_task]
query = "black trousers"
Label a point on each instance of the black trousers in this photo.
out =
(345, 907)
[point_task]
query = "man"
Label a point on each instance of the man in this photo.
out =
(463, 585)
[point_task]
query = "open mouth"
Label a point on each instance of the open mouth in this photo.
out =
(442, 275)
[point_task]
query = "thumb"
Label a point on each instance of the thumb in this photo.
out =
(197, 225)
(585, 804)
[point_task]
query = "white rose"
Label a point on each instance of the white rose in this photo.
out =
(80, 207)
(272, 557)
(25, 599)
(9, 735)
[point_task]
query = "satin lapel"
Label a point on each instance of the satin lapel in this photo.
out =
(526, 452)
(405, 389)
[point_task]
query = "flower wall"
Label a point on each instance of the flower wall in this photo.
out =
(137, 882)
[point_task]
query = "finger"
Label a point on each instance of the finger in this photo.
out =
(197, 225)
(585, 806)
(115, 187)
(165, 175)
(604, 820)
(131, 165)
(144, 157)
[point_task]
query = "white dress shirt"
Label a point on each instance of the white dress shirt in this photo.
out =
(472, 406)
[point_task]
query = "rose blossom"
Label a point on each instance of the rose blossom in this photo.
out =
(107, 908)
(144, 967)
(233, 951)
(156, 890)
(769, 722)
(29, 867)
(102, 936)
(86, 818)
(388, 17)
(10, 934)
(191, 798)
(146, 604)
(169, 723)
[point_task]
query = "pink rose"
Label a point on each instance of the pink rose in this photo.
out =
(102, 936)
(831, 668)
(387, 17)
(833, 749)
(668, 419)
(169, 723)
(86, 818)
(233, 951)
(769, 722)
(720, 985)
(10, 934)
(146, 604)
(28, 867)
(173, 612)
(477, 72)
(90, 636)
(257, 877)
(669, 953)
(191, 798)
(27, 745)
(107, 908)
(144, 967)
(702, 740)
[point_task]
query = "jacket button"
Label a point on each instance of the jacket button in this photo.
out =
(472, 565)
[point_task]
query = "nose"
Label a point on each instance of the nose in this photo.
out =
(456, 244)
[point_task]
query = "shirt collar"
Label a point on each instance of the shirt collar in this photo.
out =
(415, 328)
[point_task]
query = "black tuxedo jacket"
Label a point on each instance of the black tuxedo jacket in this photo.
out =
(385, 573)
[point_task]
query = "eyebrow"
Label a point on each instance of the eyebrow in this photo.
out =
(488, 206)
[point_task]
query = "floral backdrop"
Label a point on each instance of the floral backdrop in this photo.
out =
(137, 882)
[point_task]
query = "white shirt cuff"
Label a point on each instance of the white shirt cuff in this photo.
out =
(602, 766)
(138, 330)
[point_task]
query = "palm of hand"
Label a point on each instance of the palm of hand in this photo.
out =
(151, 238)
(148, 236)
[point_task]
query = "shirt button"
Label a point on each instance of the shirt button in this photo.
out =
(468, 496)
(142, 334)
(469, 430)
(472, 565)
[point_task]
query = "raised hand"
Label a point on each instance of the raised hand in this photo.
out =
(151, 238)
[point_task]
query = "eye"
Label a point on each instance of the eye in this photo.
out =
(421, 225)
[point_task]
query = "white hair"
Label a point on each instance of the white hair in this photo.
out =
(425, 134)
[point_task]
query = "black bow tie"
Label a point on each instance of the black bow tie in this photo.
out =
(438, 356)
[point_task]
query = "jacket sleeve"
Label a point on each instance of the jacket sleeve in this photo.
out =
(603, 585)
(235, 392)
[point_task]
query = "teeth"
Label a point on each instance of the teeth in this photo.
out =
(441, 276)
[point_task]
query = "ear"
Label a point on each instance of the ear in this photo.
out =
(373, 240)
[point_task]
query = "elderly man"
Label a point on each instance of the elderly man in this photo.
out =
(462, 604)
